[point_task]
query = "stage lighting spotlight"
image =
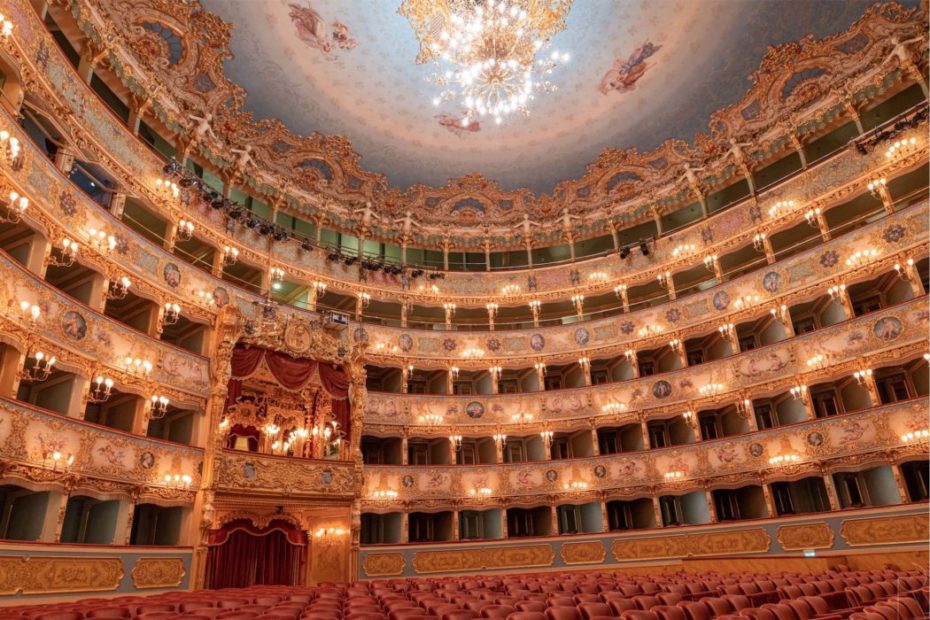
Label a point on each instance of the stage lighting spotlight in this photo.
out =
(644, 248)
(624, 251)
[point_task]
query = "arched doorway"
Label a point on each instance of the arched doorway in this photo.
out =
(240, 554)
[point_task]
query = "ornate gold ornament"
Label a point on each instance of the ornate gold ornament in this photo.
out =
(805, 536)
(158, 573)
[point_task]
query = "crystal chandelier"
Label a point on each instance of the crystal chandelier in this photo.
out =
(486, 51)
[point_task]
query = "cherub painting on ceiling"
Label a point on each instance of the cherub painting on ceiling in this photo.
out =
(313, 30)
(458, 126)
(624, 74)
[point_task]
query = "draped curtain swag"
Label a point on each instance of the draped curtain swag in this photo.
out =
(241, 555)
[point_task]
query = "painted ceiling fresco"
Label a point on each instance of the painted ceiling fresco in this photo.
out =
(641, 72)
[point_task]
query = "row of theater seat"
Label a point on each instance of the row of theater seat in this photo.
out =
(874, 595)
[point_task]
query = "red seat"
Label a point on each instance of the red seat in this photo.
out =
(670, 598)
(589, 610)
(531, 606)
(737, 601)
(463, 614)
(639, 614)
(646, 602)
(669, 612)
(496, 611)
(527, 615)
(695, 610)
(757, 613)
(109, 612)
(59, 615)
(717, 606)
(562, 612)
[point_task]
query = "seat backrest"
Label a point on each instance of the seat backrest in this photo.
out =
(669, 598)
(497, 611)
(737, 602)
(717, 605)
(526, 615)
(620, 605)
(531, 606)
(748, 587)
(669, 612)
(562, 612)
(646, 602)
(757, 613)
(818, 604)
(695, 610)
(781, 611)
(639, 614)
(589, 610)
(802, 609)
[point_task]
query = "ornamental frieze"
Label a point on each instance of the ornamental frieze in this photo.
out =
(877, 338)
(106, 461)
(383, 564)
(692, 545)
(805, 536)
(269, 475)
(471, 288)
(792, 92)
(475, 560)
(158, 573)
(886, 530)
(729, 463)
(57, 574)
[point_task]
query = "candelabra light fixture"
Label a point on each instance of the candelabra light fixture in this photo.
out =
(167, 187)
(650, 330)
(613, 407)
(456, 441)
(159, 406)
(900, 147)
(100, 389)
(862, 257)
(230, 255)
(575, 485)
(836, 291)
(178, 481)
(172, 313)
(473, 353)
(781, 460)
(709, 261)
(330, 533)
(276, 275)
(119, 288)
(101, 241)
(902, 271)
(726, 330)
(431, 419)
(185, 230)
(675, 344)
(491, 308)
(758, 242)
(31, 313)
(876, 186)
(66, 255)
(385, 495)
(499, 438)
(684, 248)
(38, 367)
(449, 307)
(510, 290)
(812, 216)
(364, 299)
(862, 376)
(746, 301)
(917, 436)
(711, 389)
(6, 26)
(671, 476)
(620, 289)
(597, 276)
(547, 436)
(781, 207)
(11, 145)
(481, 491)
(486, 52)
(57, 461)
(204, 297)
(137, 366)
(522, 418)
(664, 278)
(454, 371)
(320, 288)
(15, 208)
(798, 391)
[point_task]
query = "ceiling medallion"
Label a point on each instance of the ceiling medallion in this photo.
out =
(486, 51)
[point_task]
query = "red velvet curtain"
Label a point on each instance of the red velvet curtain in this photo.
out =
(242, 555)
(293, 374)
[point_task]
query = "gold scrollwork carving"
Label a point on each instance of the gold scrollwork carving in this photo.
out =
(459, 560)
(51, 575)
(692, 545)
(158, 573)
(592, 552)
(885, 530)
(805, 536)
(384, 564)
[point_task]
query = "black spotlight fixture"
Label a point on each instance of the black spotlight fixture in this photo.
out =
(306, 246)
(251, 223)
(265, 228)
(216, 204)
(350, 260)
(279, 235)
(644, 248)
(236, 214)
(416, 273)
(333, 256)
(624, 251)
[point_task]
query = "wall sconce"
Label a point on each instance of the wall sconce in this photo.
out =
(875, 187)
(710, 389)
(620, 290)
(481, 492)
(495, 372)
(682, 249)
(688, 415)
(204, 297)
(11, 143)
(613, 407)
(663, 279)
(575, 485)
(30, 313)
(230, 256)
(431, 419)
(784, 459)
(101, 241)
(119, 289)
(6, 26)
(456, 441)
(726, 330)
(68, 254)
(454, 371)
(812, 215)
(578, 302)
(671, 476)
(585, 362)
(650, 330)
(449, 307)
(836, 291)
(100, 389)
(919, 436)
(510, 289)
(758, 242)
(540, 366)
(862, 376)
(167, 187)
(675, 344)
(159, 406)
(472, 353)
(709, 261)
(630, 355)
(329, 533)
(746, 301)
(137, 366)
(172, 314)
(410, 368)
(780, 207)
(384, 495)
(798, 391)
(276, 275)
(40, 369)
(363, 298)
(178, 481)
(522, 418)
(902, 272)
(597, 276)
(492, 309)
(743, 406)
(862, 257)
(547, 437)
(500, 439)
(816, 361)
(901, 147)
(780, 312)
(15, 208)
(58, 461)
(185, 230)
(535, 305)
(320, 288)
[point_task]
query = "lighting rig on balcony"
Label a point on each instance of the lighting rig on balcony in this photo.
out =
(431, 419)
(780, 312)
(178, 481)
(159, 406)
(663, 279)
(688, 416)
(320, 288)
(12, 149)
(781, 207)
(172, 313)
(876, 187)
(454, 371)
(863, 376)
(119, 288)
(522, 418)
(547, 438)
(204, 297)
(758, 242)
(40, 369)
(903, 271)
(101, 241)
(862, 257)
(56, 461)
(630, 355)
(385, 495)
(781, 460)
(709, 261)
(575, 485)
(743, 406)
(230, 256)
(597, 276)
(675, 344)
(918, 436)
(812, 215)
(31, 313)
(492, 309)
(15, 208)
(66, 256)
(100, 389)
(901, 147)
(137, 365)
(585, 363)
(710, 389)
(836, 291)
(671, 476)
(797, 392)
(456, 441)
(614, 407)
(185, 230)
(495, 372)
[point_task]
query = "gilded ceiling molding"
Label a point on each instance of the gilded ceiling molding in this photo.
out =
(794, 92)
